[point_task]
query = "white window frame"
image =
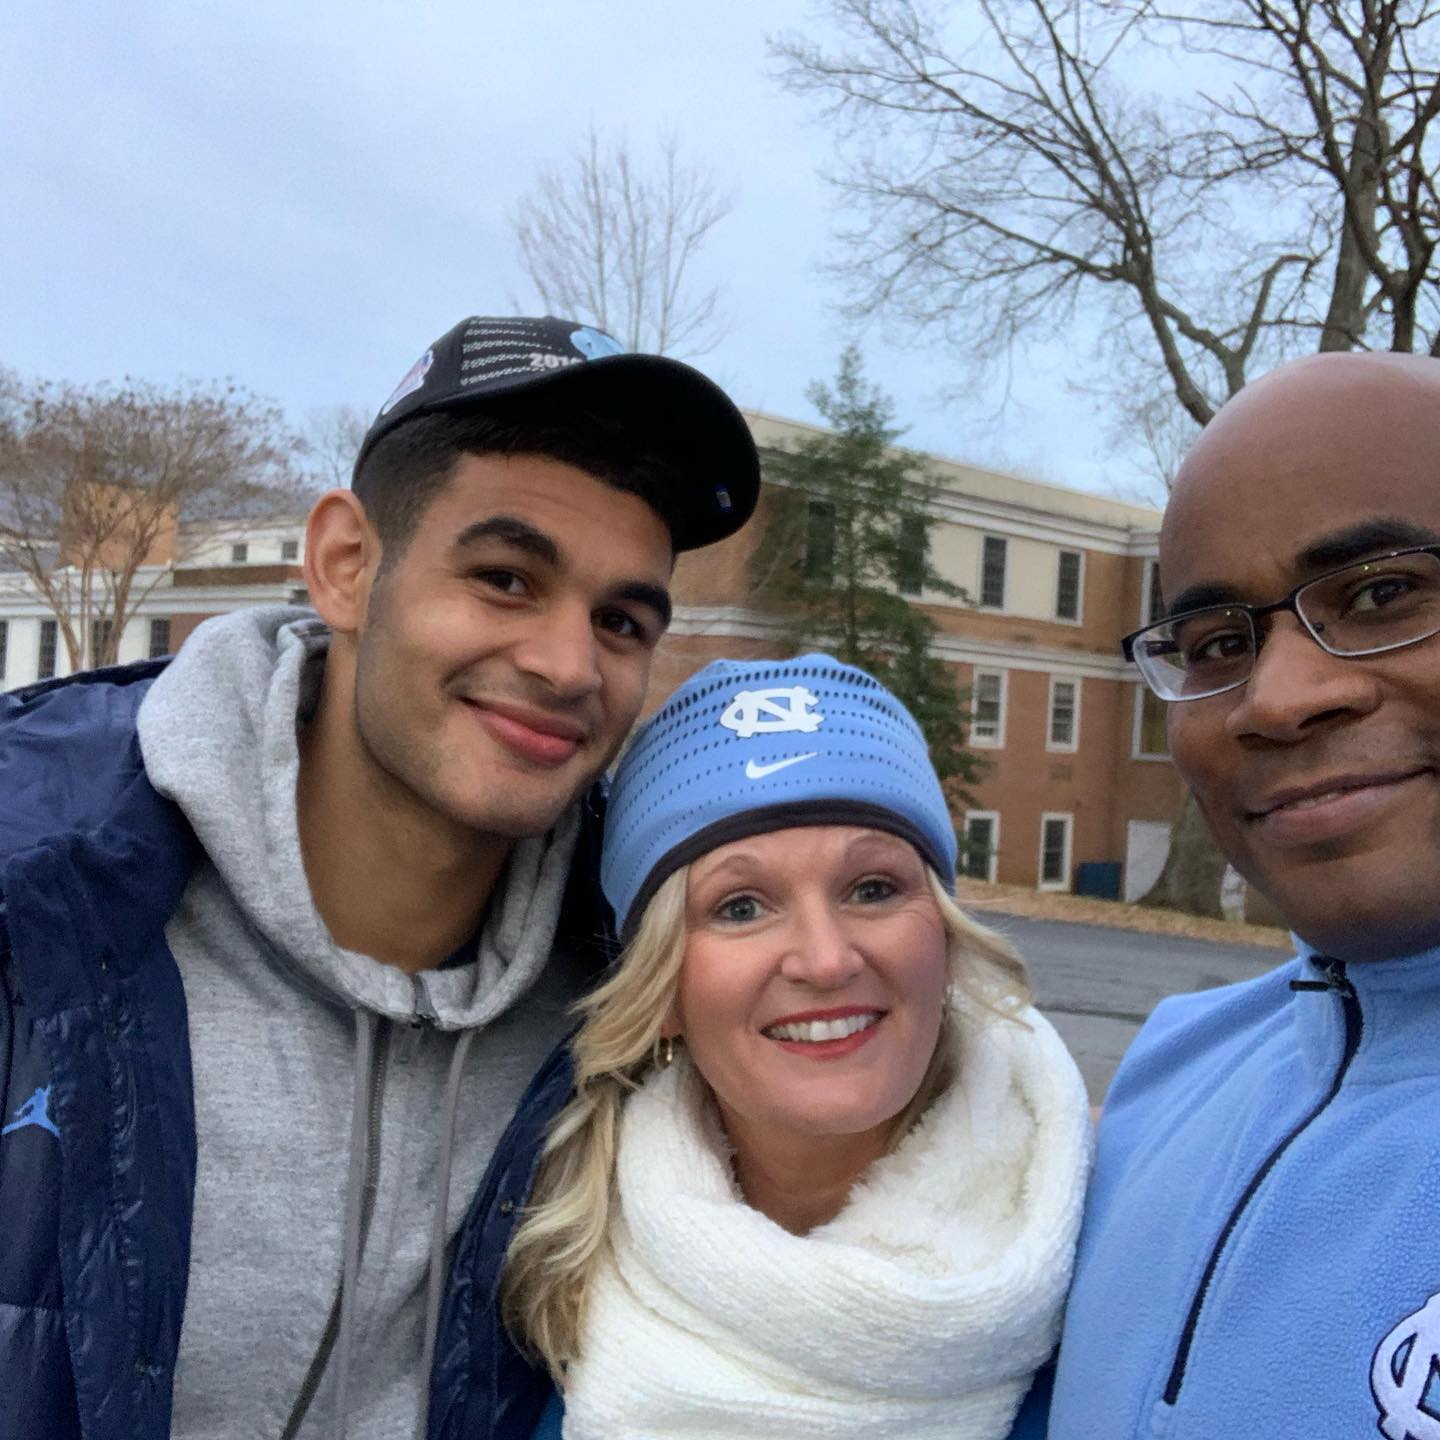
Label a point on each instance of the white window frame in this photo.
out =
(992, 861)
(1041, 883)
(1136, 753)
(1051, 743)
(979, 742)
(980, 600)
(1079, 616)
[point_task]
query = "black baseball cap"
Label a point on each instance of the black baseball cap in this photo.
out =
(675, 410)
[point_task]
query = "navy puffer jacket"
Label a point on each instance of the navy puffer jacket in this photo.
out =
(97, 1120)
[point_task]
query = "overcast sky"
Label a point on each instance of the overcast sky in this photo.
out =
(302, 196)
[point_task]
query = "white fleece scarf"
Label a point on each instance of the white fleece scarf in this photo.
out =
(922, 1309)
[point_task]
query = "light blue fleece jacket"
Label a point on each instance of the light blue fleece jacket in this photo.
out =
(1261, 1249)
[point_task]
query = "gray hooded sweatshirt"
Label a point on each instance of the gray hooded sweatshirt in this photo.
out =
(345, 1111)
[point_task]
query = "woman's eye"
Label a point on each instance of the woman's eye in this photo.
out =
(738, 909)
(875, 888)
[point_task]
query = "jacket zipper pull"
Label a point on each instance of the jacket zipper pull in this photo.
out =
(1335, 979)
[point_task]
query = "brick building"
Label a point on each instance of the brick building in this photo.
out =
(1078, 770)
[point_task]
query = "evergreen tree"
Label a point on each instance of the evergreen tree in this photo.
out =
(848, 540)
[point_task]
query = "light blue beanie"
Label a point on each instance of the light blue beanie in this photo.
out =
(748, 746)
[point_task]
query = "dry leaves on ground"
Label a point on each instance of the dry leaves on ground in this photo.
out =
(978, 897)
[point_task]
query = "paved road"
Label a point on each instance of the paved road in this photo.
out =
(1098, 985)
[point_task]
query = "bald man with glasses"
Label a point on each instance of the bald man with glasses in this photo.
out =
(1261, 1253)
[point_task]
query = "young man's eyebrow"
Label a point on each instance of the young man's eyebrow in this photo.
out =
(644, 593)
(1357, 542)
(522, 535)
(513, 531)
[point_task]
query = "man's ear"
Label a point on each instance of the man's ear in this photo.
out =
(342, 555)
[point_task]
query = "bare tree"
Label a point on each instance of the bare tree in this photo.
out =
(1009, 170)
(607, 241)
(330, 442)
(104, 490)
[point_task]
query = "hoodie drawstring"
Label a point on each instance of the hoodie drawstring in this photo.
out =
(355, 1185)
(359, 1184)
(435, 1287)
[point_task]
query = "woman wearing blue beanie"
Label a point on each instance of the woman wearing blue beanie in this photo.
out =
(822, 1170)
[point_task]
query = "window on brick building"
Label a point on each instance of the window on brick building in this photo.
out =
(992, 573)
(1067, 585)
(49, 641)
(982, 845)
(1055, 852)
(910, 555)
(159, 638)
(1154, 600)
(239, 554)
(987, 708)
(1151, 741)
(1064, 728)
(819, 558)
(289, 549)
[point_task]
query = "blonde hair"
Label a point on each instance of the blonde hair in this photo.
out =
(566, 1226)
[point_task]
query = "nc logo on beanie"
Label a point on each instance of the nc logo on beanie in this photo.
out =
(772, 712)
(682, 790)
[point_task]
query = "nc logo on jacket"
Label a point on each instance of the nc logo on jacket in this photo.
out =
(772, 712)
(1405, 1362)
(35, 1111)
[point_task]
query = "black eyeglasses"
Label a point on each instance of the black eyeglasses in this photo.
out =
(1362, 609)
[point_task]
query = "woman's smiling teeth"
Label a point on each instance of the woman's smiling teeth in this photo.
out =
(814, 1032)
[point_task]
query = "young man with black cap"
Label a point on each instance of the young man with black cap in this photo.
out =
(287, 925)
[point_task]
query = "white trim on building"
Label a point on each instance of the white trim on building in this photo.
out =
(1008, 505)
(739, 622)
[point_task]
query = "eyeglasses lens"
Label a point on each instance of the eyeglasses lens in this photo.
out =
(1365, 608)
(1197, 654)
(1376, 605)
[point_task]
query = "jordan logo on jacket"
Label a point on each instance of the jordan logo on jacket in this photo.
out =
(35, 1111)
